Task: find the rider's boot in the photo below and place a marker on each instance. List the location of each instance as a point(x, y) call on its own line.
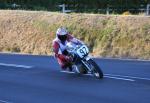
point(75, 69)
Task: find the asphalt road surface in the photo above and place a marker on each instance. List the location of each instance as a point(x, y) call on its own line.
point(37, 79)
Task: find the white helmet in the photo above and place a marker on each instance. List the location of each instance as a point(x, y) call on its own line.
point(62, 33)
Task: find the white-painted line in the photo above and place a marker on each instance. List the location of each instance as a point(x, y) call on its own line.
point(112, 77)
point(133, 77)
point(120, 78)
point(73, 73)
point(2, 101)
point(68, 72)
point(15, 65)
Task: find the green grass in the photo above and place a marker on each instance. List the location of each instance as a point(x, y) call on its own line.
point(107, 36)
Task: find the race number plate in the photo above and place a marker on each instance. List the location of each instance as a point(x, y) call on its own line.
point(83, 51)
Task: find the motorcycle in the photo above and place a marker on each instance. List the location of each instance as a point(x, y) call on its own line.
point(82, 61)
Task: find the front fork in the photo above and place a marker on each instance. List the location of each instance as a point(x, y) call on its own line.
point(86, 64)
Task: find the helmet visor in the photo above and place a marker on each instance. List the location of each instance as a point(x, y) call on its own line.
point(62, 37)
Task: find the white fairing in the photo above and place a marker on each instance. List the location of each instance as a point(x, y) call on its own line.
point(71, 45)
point(83, 51)
point(88, 58)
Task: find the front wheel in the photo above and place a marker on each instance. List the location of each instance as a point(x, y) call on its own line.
point(96, 69)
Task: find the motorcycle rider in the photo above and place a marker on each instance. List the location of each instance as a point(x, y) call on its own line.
point(59, 47)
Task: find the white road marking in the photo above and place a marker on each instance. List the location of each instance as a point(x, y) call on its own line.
point(133, 77)
point(2, 101)
point(67, 72)
point(73, 73)
point(120, 78)
point(112, 77)
point(15, 65)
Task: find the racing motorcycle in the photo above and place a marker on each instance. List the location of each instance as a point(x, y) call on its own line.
point(82, 61)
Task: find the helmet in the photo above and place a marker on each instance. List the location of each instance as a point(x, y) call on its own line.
point(62, 34)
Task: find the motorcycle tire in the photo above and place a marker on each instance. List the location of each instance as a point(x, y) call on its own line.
point(96, 69)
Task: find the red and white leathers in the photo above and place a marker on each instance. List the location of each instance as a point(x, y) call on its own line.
point(59, 48)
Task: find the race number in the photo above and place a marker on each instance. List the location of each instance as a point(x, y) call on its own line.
point(83, 51)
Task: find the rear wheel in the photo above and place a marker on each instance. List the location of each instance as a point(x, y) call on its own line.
point(96, 69)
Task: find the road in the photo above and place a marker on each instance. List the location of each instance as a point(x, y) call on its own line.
point(37, 79)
